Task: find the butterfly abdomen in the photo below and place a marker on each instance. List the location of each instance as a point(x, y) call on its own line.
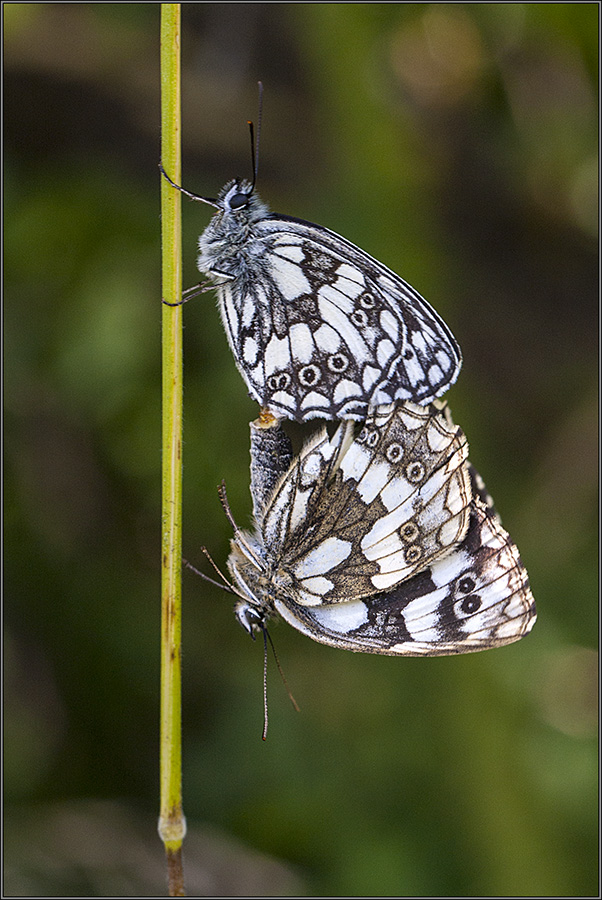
point(271, 456)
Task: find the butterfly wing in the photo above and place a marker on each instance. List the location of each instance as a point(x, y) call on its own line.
point(475, 598)
point(352, 518)
point(289, 513)
point(255, 559)
point(479, 489)
point(320, 328)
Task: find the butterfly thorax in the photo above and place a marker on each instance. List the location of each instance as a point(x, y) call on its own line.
point(258, 578)
point(229, 245)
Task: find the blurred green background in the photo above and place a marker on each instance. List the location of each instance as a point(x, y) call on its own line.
point(458, 144)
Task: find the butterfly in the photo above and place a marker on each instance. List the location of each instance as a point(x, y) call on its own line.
point(379, 542)
point(317, 327)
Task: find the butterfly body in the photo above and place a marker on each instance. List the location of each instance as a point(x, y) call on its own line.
point(271, 456)
point(229, 247)
point(319, 328)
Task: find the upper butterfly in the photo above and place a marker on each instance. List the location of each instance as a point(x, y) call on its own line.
point(318, 328)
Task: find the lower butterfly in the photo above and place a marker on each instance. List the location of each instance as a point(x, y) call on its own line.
point(379, 543)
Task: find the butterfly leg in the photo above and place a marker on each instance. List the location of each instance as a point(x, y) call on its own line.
point(191, 292)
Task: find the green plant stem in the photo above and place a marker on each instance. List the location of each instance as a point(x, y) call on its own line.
point(172, 824)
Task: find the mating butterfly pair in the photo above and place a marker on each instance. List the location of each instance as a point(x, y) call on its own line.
point(381, 541)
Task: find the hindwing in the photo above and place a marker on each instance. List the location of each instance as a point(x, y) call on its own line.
point(474, 598)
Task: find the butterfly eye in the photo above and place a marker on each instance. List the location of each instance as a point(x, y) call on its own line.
point(471, 604)
point(367, 300)
point(279, 381)
point(359, 318)
point(413, 553)
point(249, 617)
point(237, 201)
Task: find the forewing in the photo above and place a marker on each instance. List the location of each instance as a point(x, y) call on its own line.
point(323, 329)
point(475, 598)
point(397, 500)
point(290, 511)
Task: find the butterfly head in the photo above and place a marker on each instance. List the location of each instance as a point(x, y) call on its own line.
point(235, 197)
point(250, 617)
point(238, 197)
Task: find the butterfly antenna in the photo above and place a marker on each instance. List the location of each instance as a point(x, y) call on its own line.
point(284, 681)
point(267, 637)
point(237, 532)
point(219, 571)
point(255, 144)
point(182, 190)
point(264, 733)
point(224, 587)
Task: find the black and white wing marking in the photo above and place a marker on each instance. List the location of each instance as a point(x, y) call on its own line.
point(479, 489)
point(351, 517)
point(475, 598)
point(319, 328)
